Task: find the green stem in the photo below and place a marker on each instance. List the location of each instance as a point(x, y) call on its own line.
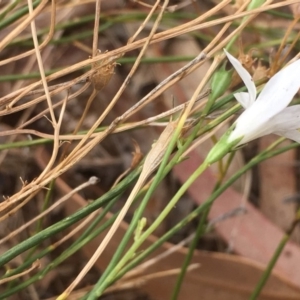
point(67, 253)
point(199, 232)
point(16, 16)
point(162, 172)
point(265, 276)
point(40, 221)
point(131, 252)
point(259, 158)
point(8, 8)
point(125, 60)
point(67, 222)
point(269, 268)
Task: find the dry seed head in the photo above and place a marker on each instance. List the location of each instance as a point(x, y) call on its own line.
point(104, 71)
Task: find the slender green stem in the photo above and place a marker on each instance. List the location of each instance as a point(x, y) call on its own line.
point(77, 245)
point(265, 276)
point(259, 158)
point(199, 233)
point(17, 15)
point(280, 14)
point(8, 8)
point(25, 144)
point(125, 60)
point(269, 268)
point(84, 236)
point(162, 172)
point(113, 265)
point(219, 104)
point(40, 221)
point(131, 252)
point(67, 222)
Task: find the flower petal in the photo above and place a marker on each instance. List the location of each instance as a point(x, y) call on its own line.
point(286, 121)
point(291, 134)
point(245, 76)
point(257, 120)
point(280, 90)
point(243, 99)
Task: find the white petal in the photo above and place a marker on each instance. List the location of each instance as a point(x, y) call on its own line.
point(280, 90)
point(286, 120)
point(277, 94)
point(244, 99)
point(245, 76)
point(287, 123)
point(291, 134)
point(249, 125)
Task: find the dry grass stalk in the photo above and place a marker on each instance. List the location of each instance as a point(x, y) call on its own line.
point(34, 266)
point(34, 186)
point(92, 181)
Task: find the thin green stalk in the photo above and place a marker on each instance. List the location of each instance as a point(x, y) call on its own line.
point(253, 4)
point(84, 236)
point(125, 60)
point(267, 272)
point(67, 253)
point(25, 144)
point(273, 42)
point(112, 266)
point(159, 176)
point(279, 14)
point(199, 233)
point(220, 82)
point(88, 235)
point(107, 20)
point(131, 252)
point(163, 170)
point(8, 8)
point(259, 158)
point(38, 228)
point(135, 16)
point(269, 268)
point(218, 105)
point(40, 221)
point(45, 205)
point(17, 15)
point(34, 75)
point(67, 222)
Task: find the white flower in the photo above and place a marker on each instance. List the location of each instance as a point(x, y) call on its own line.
point(269, 112)
point(266, 114)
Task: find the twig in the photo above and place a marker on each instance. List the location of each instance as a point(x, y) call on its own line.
point(96, 27)
point(35, 265)
point(22, 26)
point(121, 89)
point(43, 44)
point(230, 214)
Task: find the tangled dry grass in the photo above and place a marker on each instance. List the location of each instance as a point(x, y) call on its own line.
point(69, 113)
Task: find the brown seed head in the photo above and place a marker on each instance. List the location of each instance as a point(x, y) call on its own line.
point(104, 71)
